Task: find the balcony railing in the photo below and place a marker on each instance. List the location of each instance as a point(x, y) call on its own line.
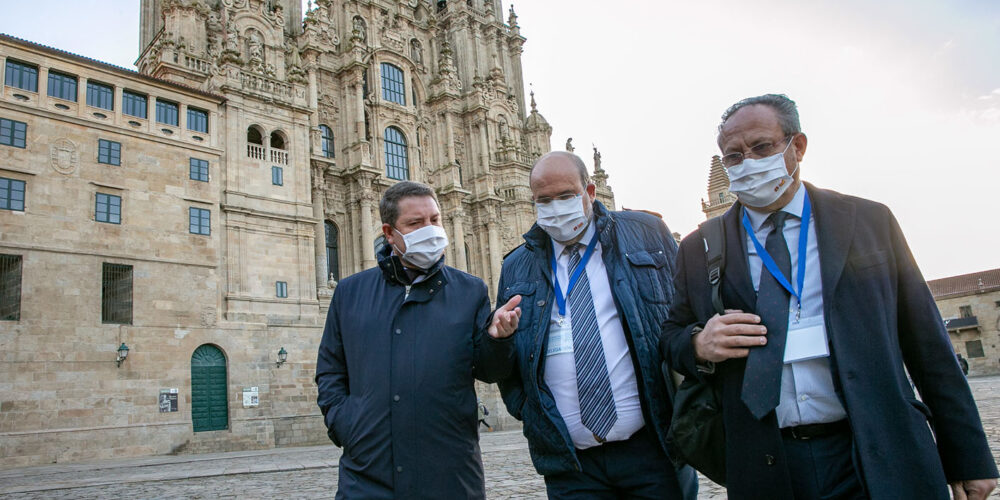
point(280, 157)
point(256, 151)
point(955, 324)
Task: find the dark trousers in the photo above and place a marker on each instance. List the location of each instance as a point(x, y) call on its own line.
point(824, 467)
point(635, 468)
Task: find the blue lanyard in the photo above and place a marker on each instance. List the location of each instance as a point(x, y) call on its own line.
point(769, 263)
point(560, 300)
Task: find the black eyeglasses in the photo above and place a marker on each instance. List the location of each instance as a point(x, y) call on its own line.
point(761, 150)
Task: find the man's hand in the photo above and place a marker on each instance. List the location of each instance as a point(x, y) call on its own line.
point(729, 336)
point(505, 319)
point(973, 489)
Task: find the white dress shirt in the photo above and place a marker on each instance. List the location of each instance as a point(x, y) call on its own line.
point(807, 391)
point(560, 368)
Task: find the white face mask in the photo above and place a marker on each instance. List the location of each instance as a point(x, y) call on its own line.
point(759, 183)
point(424, 246)
point(563, 220)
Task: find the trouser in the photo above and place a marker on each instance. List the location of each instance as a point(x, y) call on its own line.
point(636, 468)
point(823, 464)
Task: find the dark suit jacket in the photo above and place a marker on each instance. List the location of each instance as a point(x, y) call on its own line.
point(880, 317)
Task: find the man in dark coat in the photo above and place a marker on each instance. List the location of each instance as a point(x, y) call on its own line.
point(395, 371)
point(826, 314)
point(595, 288)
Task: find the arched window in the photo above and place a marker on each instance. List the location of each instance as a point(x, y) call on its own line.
point(396, 161)
point(332, 252)
point(254, 135)
point(277, 140)
point(326, 140)
point(393, 88)
point(209, 403)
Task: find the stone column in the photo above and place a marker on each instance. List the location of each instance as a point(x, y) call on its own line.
point(450, 137)
point(360, 109)
point(496, 253)
point(458, 229)
point(318, 191)
point(484, 146)
point(81, 95)
point(367, 197)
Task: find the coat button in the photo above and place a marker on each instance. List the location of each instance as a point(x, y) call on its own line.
point(439, 283)
point(396, 397)
point(399, 468)
point(531, 356)
point(398, 331)
point(431, 290)
point(769, 459)
point(540, 303)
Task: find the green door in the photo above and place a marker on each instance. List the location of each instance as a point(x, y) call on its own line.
point(209, 406)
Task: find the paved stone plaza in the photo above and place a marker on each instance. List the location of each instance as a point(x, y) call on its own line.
point(312, 472)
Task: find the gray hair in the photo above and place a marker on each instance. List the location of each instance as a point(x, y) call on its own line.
point(388, 208)
point(577, 162)
point(788, 113)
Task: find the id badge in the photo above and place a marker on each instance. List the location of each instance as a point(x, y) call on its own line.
point(560, 337)
point(806, 340)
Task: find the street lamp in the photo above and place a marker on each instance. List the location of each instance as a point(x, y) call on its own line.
point(282, 357)
point(122, 354)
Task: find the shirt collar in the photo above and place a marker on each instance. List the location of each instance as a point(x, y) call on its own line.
point(557, 248)
point(794, 207)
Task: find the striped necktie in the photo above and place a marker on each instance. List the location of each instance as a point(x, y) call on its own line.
point(597, 402)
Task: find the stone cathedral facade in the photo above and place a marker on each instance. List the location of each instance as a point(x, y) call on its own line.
point(199, 212)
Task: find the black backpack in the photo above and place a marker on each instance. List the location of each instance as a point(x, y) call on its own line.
point(697, 435)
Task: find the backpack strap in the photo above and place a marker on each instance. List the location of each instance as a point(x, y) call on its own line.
point(714, 235)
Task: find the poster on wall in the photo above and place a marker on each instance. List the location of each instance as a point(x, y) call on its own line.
point(168, 400)
point(251, 397)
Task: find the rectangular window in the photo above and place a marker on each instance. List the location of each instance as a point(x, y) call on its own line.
point(116, 294)
point(197, 120)
point(109, 152)
point(11, 194)
point(166, 112)
point(100, 95)
point(21, 75)
point(965, 311)
point(199, 221)
point(133, 104)
point(109, 208)
point(62, 86)
point(975, 348)
point(393, 89)
point(281, 289)
point(10, 287)
point(13, 133)
point(199, 170)
point(277, 176)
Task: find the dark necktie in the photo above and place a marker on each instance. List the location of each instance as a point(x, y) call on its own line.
point(762, 377)
point(597, 403)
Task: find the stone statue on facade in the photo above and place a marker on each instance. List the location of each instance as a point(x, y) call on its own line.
point(569, 145)
point(416, 51)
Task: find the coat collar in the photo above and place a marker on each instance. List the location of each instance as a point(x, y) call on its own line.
point(834, 231)
point(834, 217)
point(394, 271)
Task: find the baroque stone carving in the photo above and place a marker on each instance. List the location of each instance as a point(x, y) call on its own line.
point(64, 156)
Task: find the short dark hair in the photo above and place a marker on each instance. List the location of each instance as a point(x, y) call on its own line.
point(388, 208)
point(788, 113)
point(577, 162)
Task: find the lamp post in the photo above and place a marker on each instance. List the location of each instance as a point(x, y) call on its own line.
point(282, 357)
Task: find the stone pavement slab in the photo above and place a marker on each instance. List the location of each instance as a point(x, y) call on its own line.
point(311, 472)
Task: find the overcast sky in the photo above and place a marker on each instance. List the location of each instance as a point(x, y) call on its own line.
point(900, 99)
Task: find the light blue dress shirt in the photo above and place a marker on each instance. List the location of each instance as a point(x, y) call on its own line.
point(807, 392)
